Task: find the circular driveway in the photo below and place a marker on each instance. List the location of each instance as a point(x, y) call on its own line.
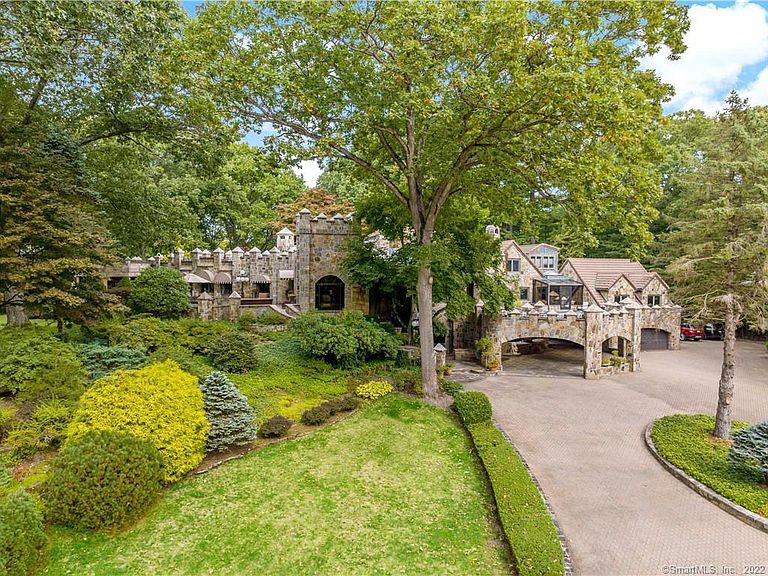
point(621, 512)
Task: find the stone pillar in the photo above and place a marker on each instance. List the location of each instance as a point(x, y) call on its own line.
point(205, 306)
point(234, 306)
point(491, 329)
point(195, 258)
point(237, 255)
point(218, 256)
point(593, 342)
point(633, 355)
point(302, 283)
point(439, 356)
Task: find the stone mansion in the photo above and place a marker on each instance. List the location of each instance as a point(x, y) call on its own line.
point(616, 300)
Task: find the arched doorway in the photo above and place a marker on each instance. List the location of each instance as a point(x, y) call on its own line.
point(545, 357)
point(329, 293)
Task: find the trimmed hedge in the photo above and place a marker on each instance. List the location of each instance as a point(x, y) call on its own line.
point(233, 352)
point(160, 291)
point(159, 403)
point(127, 482)
point(472, 407)
point(22, 536)
point(687, 442)
point(527, 525)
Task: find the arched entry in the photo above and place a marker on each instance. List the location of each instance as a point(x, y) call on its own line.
point(329, 293)
point(545, 357)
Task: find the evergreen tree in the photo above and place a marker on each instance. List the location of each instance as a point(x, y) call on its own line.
point(231, 417)
point(750, 448)
point(720, 241)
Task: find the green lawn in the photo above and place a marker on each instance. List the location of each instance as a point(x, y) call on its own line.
point(393, 489)
point(687, 442)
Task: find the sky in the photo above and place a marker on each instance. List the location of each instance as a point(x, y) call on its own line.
point(727, 50)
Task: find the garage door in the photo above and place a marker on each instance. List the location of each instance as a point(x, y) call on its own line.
point(653, 339)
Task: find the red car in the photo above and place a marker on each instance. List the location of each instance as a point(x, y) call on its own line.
point(690, 332)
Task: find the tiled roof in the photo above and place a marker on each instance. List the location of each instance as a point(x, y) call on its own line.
point(528, 248)
point(601, 273)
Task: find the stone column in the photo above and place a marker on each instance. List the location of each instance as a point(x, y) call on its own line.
point(234, 306)
point(205, 306)
point(593, 342)
point(633, 356)
point(439, 356)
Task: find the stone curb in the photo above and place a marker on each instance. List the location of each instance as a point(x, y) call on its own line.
point(746, 516)
point(567, 562)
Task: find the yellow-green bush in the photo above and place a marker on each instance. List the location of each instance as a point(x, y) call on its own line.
point(373, 389)
point(160, 403)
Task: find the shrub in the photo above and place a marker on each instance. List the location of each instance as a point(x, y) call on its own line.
point(750, 448)
point(160, 291)
point(153, 334)
point(526, 523)
point(484, 347)
point(246, 319)
point(408, 381)
point(184, 358)
point(346, 339)
point(46, 429)
point(6, 422)
point(316, 415)
point(159, 403)
point(22, 536)
point(127, 483)
point(472, 407)
point(101, 360)
point(231, 419)
point(450, 387)
point(275, 427)
point(233, 352)
point(345, 403)
point(373, 389)
point(271, 318)
point(35, 365)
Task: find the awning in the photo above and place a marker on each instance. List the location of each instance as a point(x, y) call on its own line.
point(206, 274)
point(286, 274)
point(222, 278)
point(260, 279)
point(195, 279)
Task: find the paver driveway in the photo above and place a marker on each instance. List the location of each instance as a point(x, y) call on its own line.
point(621, 512)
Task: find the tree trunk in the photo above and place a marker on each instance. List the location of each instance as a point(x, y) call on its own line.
point(424, 292)
point(16, 315)
point(725, 390)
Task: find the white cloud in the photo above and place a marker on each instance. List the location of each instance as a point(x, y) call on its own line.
point(721, 42)
point(757, 91)
point(310, 171)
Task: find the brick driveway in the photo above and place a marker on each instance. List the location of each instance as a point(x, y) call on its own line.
point(621, 512)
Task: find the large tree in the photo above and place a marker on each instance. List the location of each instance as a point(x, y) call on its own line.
point(524, 105)
point(719, 237)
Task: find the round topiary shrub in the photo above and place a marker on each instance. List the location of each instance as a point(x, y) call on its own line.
point(159, 403)
point(374, 389)
point(22, 536)
point(103, 480)
point(229, 414)
point(275, 427)
point(316, 415)
point(472, 407)
point(160, 291)
point(233, 352)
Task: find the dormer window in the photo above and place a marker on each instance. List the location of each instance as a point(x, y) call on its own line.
point(513, 265)
point(654, 299)
point(619, 297)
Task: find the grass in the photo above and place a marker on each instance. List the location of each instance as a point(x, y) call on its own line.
point(393, 489)
point(687, 442)
point(531, 533)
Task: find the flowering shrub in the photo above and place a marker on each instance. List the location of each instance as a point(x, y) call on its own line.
point(374, 389)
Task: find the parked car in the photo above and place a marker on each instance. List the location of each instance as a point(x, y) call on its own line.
point(690, 332)
point(713, 331)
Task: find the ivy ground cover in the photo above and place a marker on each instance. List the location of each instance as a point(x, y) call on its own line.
point(392, 489)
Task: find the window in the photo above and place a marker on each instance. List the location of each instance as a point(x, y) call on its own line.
point(329, 293)
point(513, 265)
point(619, 297)
point(523, 293)
point(654, 299)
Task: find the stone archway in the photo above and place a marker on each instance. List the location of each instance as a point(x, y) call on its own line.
point(543, 357)
point(329, 293)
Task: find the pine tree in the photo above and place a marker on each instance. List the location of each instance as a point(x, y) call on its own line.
point(720, 241)
point(231, 417)
point(750, 448)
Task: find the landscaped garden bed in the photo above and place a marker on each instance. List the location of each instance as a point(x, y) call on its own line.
point(391, 489)
point(687, 443)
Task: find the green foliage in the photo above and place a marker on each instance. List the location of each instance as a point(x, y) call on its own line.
point(750, 448)
point(687, 442)
point(345, 339)
point(6, 421)
point(408, 381)
point(373, 389)
point(345, 403)
point(484, 347)
point(5, 475)
point(154, 333)
point(101, 360)
point(46, 429)
point(22, 535)
point(275, 427)
point(316, 415)
point(439, 329)
point(271, 318)
point(233, 352)
point(472, 407)
point(160, 291)
point(247, 318)
point(35, 365)
point(230, 417)
point(159, 403)
point(450, 387)
point(128, 481)
point(186, 360)
point(524, 517)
